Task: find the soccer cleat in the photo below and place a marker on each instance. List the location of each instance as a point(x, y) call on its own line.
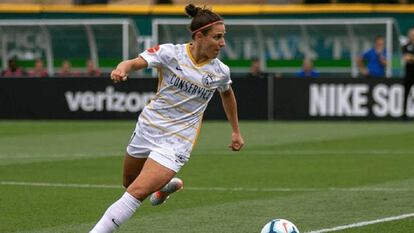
point(159, 197)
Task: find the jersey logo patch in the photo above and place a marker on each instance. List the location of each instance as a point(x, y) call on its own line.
point(207, 79)
point(153, 49)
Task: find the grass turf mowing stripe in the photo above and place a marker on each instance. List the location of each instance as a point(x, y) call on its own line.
point(365, 223)
point(212, 189)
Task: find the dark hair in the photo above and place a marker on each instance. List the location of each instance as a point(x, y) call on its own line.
point(379, 37)
point(201, 17)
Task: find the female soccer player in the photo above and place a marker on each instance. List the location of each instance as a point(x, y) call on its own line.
point(168, 126)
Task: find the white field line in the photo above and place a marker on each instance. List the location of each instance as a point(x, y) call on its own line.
point(365, 223)
point(212, 189)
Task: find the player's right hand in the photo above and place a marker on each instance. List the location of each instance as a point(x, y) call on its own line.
point(237, 142)
point(118, 75)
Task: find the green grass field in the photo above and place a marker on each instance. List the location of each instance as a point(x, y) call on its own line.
point(60, 176)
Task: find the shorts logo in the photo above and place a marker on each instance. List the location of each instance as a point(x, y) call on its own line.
point(153, 49)
point(207, 79)
point(180, 158)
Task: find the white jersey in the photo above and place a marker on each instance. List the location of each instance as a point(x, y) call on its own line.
point(172, 119)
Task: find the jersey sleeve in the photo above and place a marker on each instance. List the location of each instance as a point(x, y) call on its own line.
point(226, 82)
point(158, 55)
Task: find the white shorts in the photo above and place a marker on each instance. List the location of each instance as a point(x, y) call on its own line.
point(142, 147)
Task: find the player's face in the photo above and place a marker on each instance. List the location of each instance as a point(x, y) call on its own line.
point(213, 41)
point(379, 43)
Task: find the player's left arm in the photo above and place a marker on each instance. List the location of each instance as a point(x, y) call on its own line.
point(230, 108)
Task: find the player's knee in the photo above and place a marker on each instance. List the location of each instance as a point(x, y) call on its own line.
point(140, 193)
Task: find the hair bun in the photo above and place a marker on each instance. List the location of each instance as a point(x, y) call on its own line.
point(192, 10)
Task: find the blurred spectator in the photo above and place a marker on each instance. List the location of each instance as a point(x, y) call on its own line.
point(39, 70)
point(256, 69)
point(91, 70)
point(66, 70)
point(308, 70)
point(13, 70)
point(408, 56)
point(375, 60)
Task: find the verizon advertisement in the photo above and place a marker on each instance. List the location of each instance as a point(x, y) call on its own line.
point(107, 101)
point(73, 98)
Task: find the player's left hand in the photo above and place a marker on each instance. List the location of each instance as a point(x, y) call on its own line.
point(237, 142)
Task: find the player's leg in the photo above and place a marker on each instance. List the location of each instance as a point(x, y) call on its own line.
point(408, 83)
point(132, 168)
point(152, 177)
point(406, 92)
point(408, 88)
point(136, 154)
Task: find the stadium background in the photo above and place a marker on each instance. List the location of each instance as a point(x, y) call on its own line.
point(59, 169)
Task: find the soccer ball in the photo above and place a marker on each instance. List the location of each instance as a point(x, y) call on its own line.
point(279, 226)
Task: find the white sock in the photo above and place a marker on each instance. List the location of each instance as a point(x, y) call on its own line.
point(116, 214)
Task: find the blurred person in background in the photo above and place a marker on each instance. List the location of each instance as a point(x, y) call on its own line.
point(13, 70)
point(66, 70)
point(307, 70)
point(39, 70)
point(91, 70)
point(408, 57)
point(167, 127)
point(256, 69)
point(375, 60)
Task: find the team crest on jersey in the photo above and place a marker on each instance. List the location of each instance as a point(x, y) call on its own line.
point(207, 79)
point(153, 49)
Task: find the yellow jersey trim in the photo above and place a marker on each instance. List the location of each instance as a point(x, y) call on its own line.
point(165, 130)
point(190, 55)
point(198, 131)
point(175, 105)
point(172, 121)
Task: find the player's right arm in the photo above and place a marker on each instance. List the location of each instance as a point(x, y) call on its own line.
point(120, 73)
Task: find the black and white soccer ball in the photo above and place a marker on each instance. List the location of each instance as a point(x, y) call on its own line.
point(280, 226)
